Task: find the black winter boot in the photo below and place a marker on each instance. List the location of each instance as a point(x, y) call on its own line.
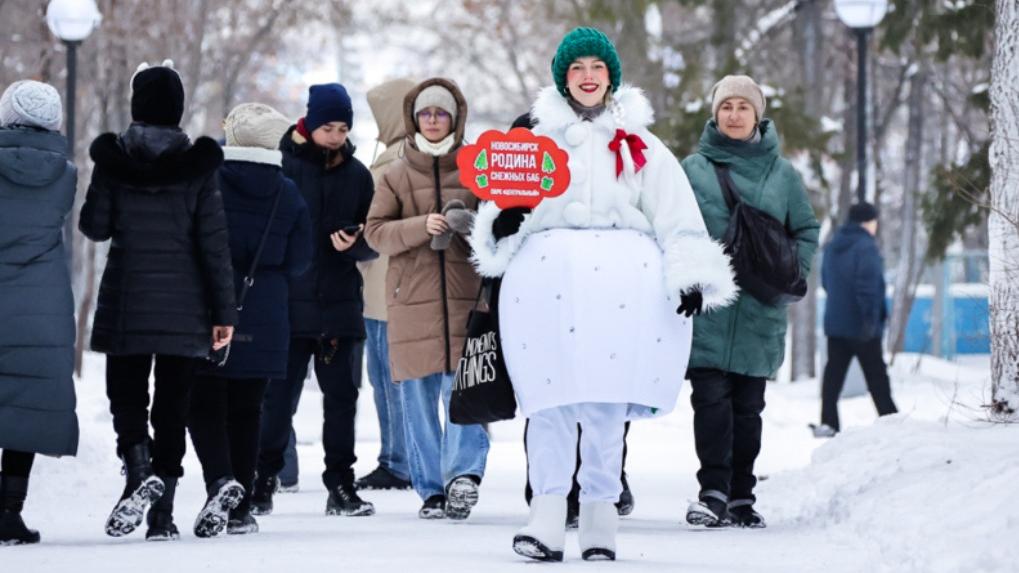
point(261, 496)
point(381, 478)
point(343, 500)
point(241, 522)
point(142, 489)
point(625, 504)
point(160, 517)
point(224, 495)
point(13, 531)
point(744, 515)
point(709, 511)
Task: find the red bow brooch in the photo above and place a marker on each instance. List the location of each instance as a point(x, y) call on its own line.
point(636, 145)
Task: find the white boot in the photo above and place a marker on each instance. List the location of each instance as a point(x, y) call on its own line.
point(599, 522)
point(545, 534)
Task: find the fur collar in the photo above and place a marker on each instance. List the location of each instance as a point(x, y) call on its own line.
point(253, 155)
point(628, 109)
point(195, 161)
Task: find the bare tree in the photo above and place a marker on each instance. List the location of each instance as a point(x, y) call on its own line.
point(1004, 219)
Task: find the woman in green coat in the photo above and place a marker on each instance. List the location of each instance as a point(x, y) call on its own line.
point(737, 348)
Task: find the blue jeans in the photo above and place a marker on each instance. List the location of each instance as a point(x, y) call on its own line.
point(388, 404)
point(438, 456)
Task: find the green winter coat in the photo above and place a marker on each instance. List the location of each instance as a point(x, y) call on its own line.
point(748, 337)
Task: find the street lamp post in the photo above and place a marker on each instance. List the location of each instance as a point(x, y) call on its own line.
point(72, 21)
point(862, 16)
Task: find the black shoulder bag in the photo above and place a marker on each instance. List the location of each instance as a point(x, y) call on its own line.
point(764, 254)
point(220, 357)
point(482, 392)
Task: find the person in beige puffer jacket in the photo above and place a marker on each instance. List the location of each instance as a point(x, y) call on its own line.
point(386, 103)
point(430, 289)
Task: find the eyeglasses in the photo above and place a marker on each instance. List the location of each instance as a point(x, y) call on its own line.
point(439, 115)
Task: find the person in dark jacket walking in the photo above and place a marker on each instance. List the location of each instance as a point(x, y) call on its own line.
point(326, 304)
point(737, 348)
point(37, 398)
point(854, 315)
point(167, 291)
point(270, 232)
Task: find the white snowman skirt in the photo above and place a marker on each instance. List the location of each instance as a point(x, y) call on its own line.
point(584, 317)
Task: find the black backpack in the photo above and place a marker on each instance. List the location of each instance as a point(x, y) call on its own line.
point(764, 254)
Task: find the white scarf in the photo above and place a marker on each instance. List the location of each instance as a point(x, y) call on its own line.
point(437, 149)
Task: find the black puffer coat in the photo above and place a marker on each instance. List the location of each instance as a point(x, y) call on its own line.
point(326, 301)
point(168, 278)
point(36, 309)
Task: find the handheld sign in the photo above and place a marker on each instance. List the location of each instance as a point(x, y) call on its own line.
point(515, 169)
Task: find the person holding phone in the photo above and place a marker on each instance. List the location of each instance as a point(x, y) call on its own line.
point(326, 322)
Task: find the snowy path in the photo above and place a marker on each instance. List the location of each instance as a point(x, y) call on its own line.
point(298, 537)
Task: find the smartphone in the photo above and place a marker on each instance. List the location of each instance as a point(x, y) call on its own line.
point(351, 229)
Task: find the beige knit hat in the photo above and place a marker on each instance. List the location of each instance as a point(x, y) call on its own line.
point(438, 96)
point(255, 125)
point(738, 86)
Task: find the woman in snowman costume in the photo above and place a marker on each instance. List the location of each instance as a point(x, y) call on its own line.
point(598, 287)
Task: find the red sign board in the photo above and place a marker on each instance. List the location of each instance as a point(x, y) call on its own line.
point(515, 169)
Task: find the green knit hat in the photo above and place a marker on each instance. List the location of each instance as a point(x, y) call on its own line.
point(585, 42)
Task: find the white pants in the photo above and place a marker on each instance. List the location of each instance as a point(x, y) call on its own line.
point(552, 450)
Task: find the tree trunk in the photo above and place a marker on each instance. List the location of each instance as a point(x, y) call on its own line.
point(1004, 219)
point(803, 315)
point(908, 228)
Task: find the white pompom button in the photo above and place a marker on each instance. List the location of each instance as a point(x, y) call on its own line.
point(578, 173)
point(577, 134)
point(577, 214)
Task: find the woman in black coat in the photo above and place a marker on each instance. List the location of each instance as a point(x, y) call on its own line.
point(36, 308)
point(226, 403)
point(167, 289)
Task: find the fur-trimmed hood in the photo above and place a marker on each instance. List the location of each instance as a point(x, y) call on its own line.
point(628, 108)
point(149, 154)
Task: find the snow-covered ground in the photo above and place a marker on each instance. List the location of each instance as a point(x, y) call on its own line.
point(929, 490)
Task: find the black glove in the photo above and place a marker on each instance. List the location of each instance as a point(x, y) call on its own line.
point(691, 302)
point(508, 222)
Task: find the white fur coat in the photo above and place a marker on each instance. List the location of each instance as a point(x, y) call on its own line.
point(656, 200)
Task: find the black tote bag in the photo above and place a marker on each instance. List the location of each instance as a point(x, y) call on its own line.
point(482, 392)
point(764, 254)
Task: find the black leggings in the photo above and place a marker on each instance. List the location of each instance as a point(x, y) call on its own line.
point(17, 464)
point(127, 386)
point(224, 421)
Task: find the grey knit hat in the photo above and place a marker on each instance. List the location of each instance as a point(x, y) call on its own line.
point(738, 86)
point(255, 125)
point(28, 102)
point(438, 96)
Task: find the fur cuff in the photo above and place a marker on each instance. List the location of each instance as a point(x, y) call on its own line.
point(694, 259)
point(491, 257)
